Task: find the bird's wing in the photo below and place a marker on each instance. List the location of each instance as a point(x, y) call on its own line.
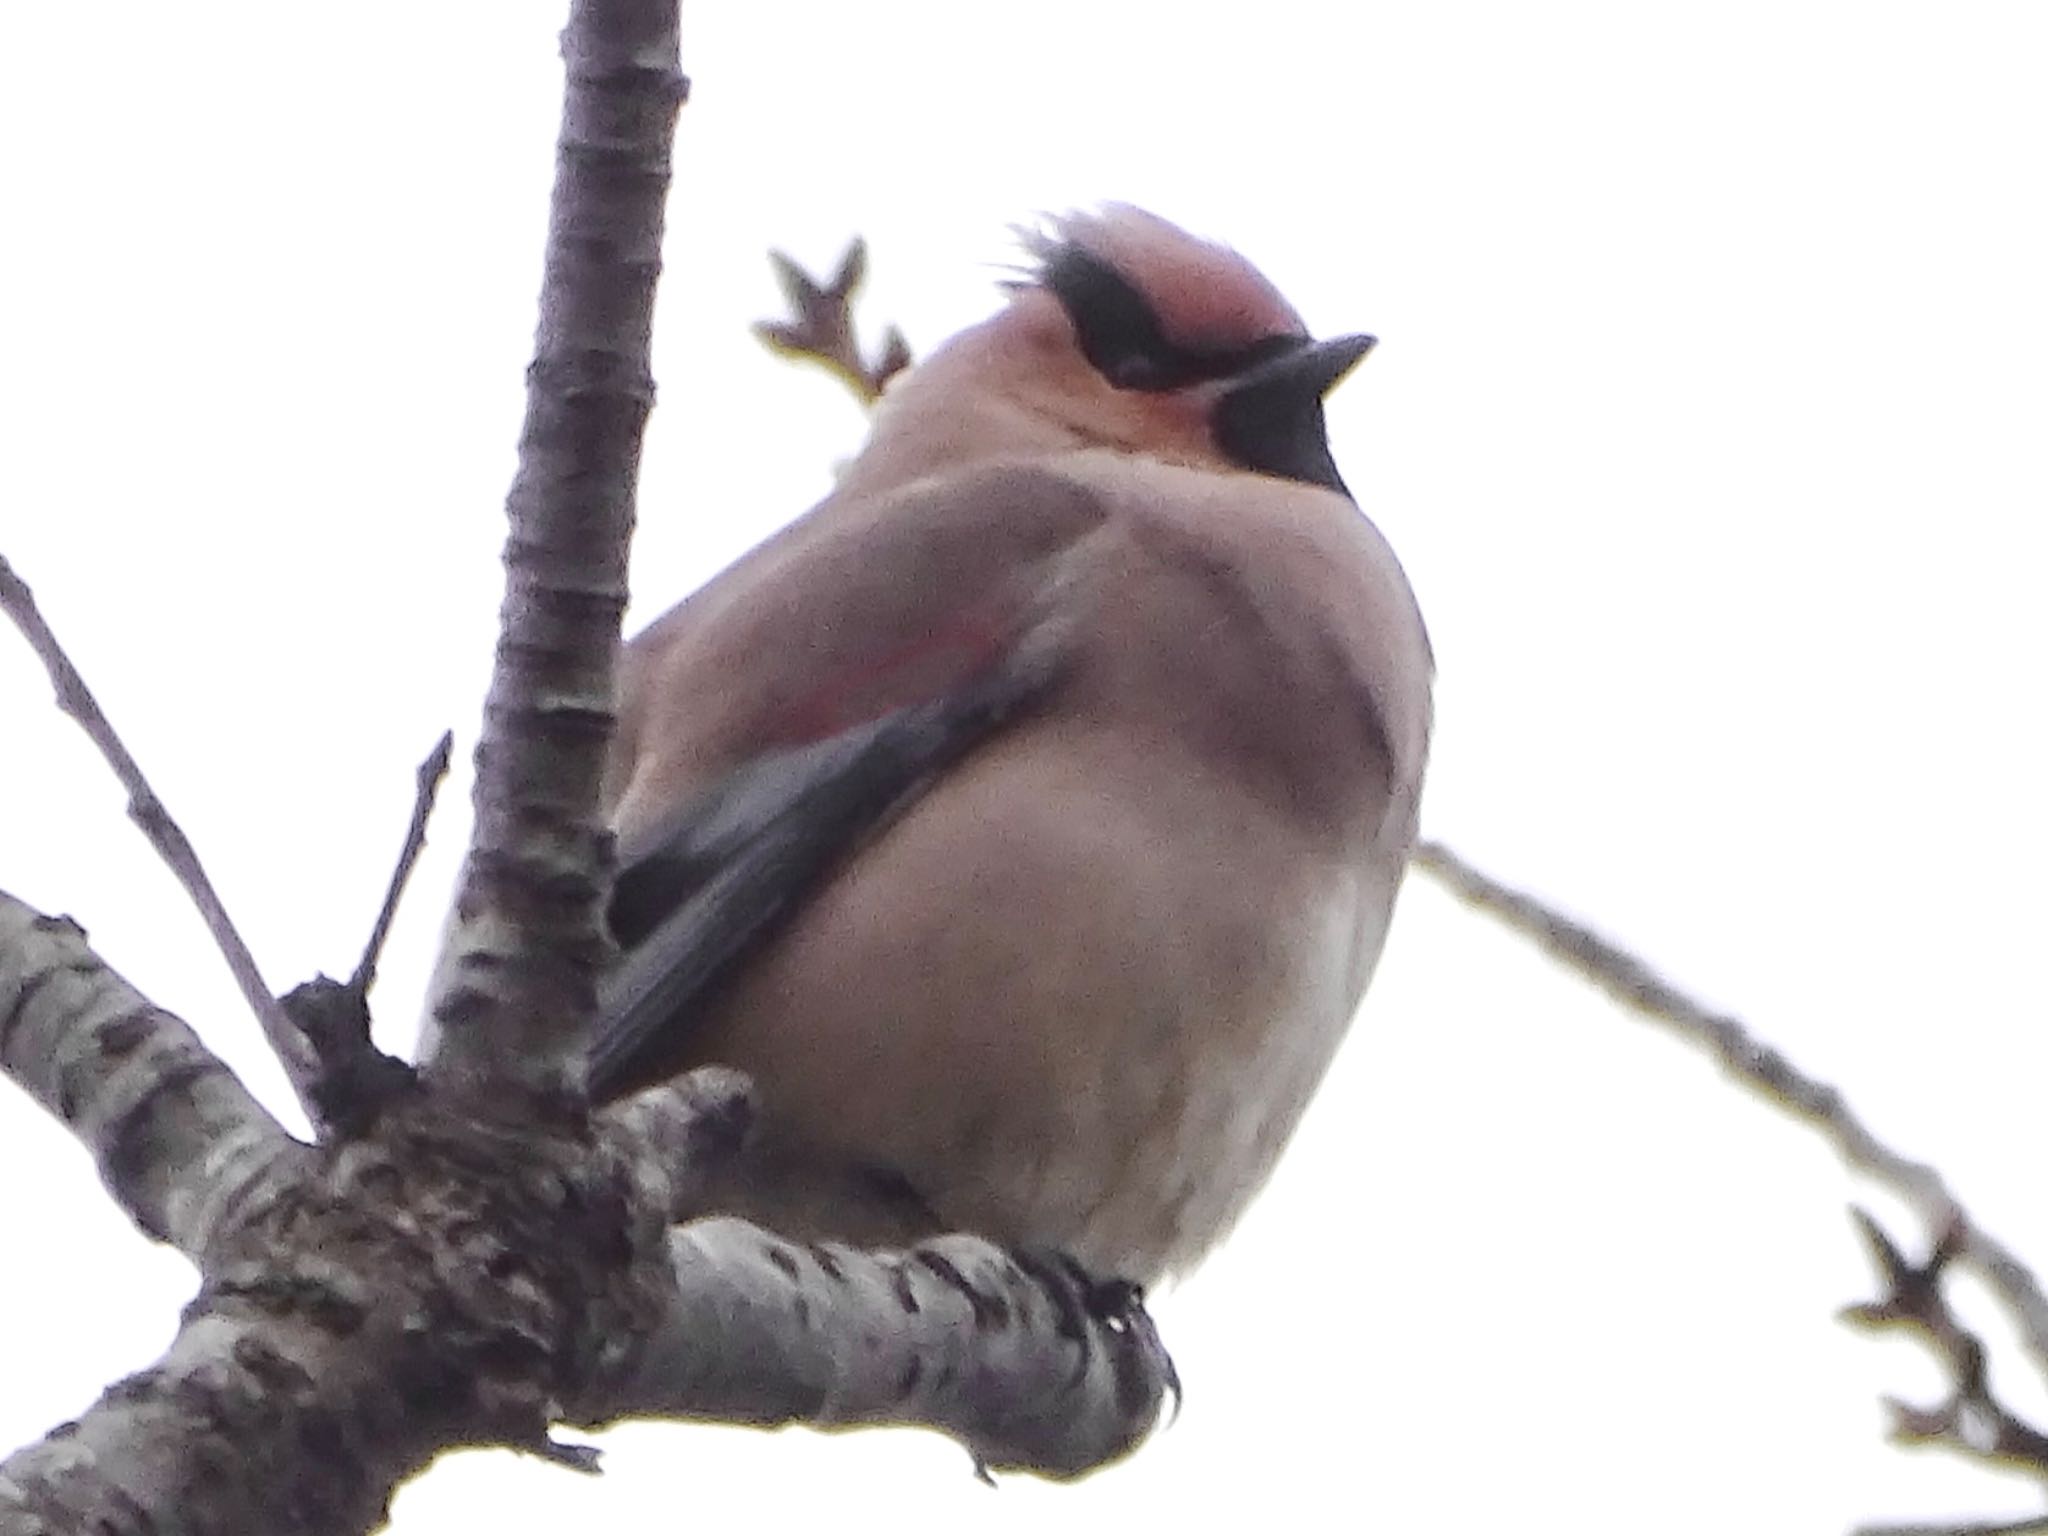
point(929, 668)
point(744, 858)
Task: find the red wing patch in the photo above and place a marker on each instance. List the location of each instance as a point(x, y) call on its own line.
point(920, 670)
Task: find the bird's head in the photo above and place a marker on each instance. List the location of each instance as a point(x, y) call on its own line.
point(1127, 332)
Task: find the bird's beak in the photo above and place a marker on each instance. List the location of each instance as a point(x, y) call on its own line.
point(1308, 372)
point(1270, 417)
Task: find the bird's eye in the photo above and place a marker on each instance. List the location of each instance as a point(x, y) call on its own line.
point(1119, 334)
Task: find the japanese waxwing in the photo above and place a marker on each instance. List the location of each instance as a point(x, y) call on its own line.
point(1067, 973)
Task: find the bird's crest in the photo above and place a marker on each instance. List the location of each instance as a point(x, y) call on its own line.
point(1119, 262)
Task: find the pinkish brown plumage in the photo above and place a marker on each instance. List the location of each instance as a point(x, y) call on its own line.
point(1207, 296)
point(1077, 994)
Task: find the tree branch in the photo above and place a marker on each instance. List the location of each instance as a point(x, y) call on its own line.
point(2031, 1525)
point(685, 1131)
point(426, 785)
point(179, 1141)
point(147, 811)
point(528, 940)
point(1631, 981)
point(1019, 1361)
point(462, 1257)
point(443, 1279)
point(1971, 1420)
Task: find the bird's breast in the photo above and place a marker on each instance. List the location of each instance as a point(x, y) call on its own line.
point(1079, 992)
point(1077, 997)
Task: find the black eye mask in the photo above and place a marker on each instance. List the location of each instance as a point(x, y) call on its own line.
point(1269, 416)
point(1120, 333)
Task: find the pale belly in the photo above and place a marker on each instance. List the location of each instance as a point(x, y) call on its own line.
point(1084, 1020)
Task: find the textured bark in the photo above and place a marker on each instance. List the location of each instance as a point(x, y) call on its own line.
point(470, 1256)
point(439, 1282)
point(438, 1278)
point(1010, 1358)
point(528, 938)
point(178, 1140)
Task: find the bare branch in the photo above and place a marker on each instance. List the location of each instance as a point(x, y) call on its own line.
point(178, 1140)
point(472, 1253)
point(528, 940)
point(1018, 1360)
point(1972, 1420)
point(426, 785)
point(446, 1279)
point(686, 1131)
point(1630, 980)
point(442, 1281)
point(354, 1081)
point(148, 812)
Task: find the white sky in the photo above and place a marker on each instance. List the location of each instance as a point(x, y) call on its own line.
point(1707, 419)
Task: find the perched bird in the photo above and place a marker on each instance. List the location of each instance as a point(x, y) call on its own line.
point(1061, 767)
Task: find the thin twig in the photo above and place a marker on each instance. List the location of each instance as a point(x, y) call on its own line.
point(355, 1082)
point(148, 812)
point(425, 785)
point(1973, 1420)
point(820, 328)
point(1630, 980)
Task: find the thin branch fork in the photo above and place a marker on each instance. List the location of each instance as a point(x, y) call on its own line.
point(147, 811)
point(465, 1259)
point(443, 1279)
point(534, 1261)
point(1972, 1420)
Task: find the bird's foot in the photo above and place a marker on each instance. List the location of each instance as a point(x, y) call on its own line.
point(1089, 1306)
